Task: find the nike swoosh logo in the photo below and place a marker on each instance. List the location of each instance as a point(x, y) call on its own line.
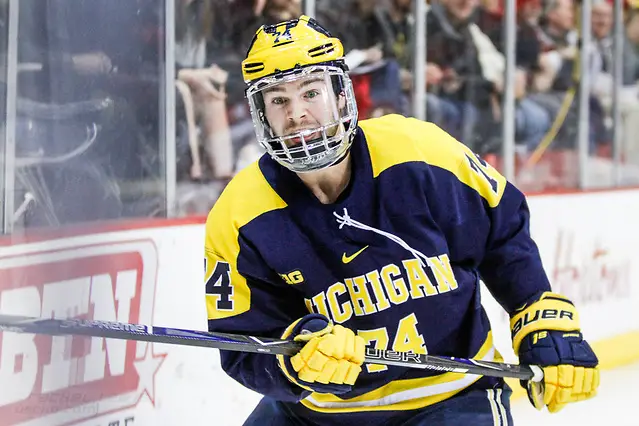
point(348, 259)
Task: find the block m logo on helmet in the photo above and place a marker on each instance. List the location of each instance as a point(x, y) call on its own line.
point(282, 33)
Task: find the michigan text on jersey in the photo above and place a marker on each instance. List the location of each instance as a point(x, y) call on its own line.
point(376, 290)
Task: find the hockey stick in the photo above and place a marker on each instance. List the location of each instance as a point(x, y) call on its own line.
point(243, 343)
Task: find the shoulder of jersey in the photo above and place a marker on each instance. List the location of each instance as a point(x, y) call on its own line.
point(247, 196)
point(394, 139)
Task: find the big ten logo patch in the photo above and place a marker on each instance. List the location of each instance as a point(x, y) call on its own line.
point(294, 277)
point(68, 379)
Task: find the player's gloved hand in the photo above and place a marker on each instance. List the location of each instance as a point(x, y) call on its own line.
point(331, 359)
point(546, 333)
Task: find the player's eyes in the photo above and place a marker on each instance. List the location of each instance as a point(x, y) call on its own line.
point(311, 94)
point(278, 101)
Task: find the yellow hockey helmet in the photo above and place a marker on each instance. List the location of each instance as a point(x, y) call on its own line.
point(290, 44)
point(301, 98)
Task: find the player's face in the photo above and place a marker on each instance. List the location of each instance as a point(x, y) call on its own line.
point(305, 104)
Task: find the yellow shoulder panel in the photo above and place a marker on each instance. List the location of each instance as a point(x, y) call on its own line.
point(395, 139)
point(246, 197)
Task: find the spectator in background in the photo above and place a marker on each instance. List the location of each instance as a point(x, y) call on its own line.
point(465, 69)
point(601, 59)
point(558, 37)
point(202, 90)
point(602, 78)
point(631, 47)
point(398, 24)
point(401, 21)
point(269, 12)
point(602, 56)
point(280, 9)
point(453, 72)
point(368, 39)
point(532, 121)
point(631, 75)
point(555, 30)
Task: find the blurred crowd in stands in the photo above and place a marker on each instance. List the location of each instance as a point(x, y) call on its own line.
point(464, 70)
point(89, 130)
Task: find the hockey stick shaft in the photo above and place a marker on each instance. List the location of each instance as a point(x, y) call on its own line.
point(244, 343)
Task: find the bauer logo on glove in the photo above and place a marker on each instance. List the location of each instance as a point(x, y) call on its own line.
point(547, 334)
point(540, 315)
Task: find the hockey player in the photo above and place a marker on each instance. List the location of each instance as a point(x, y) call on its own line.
point(346, 234)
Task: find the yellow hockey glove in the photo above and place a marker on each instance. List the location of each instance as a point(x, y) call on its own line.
point(331, 359)
point(546, 333)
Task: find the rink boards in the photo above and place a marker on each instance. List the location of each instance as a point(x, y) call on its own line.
point(152, 273)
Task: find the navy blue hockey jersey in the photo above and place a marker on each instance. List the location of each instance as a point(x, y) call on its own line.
point(397, 258)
